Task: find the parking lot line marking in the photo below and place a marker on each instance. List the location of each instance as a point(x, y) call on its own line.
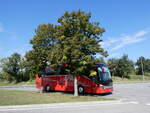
point(134, 102)
point(148, 104)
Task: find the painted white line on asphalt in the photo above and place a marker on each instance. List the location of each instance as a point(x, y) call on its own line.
point(62, 106)
point(134, 102)
point(148, 104)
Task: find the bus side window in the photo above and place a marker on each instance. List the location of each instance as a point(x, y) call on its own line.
point(62, 71)
point(93, 76)
point(49, 71)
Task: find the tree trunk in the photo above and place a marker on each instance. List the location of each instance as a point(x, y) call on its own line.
point(75, 86)
point(122, 77)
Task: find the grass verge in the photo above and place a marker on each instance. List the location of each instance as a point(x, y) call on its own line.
point(133, 78)
point(6, 83)
point(12, 97)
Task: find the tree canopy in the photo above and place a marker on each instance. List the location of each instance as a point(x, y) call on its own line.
point(74, 41)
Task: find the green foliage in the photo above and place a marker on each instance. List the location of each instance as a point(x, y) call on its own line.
point(74, 41)
point(125, 66)
point(11, 68)
point(121, 67)
point(146, 65)
point(42, 42)
point(113, 64)
point(100, 59)
point(77, 42)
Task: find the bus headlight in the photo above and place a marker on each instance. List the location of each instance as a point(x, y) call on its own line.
point(101, 86)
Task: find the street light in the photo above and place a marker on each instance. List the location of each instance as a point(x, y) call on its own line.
point(142, 69)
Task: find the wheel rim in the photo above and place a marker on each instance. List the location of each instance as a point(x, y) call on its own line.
point(47, 88)
point(80, 89)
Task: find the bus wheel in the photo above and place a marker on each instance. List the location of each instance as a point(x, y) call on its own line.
point(80, 90)
point(47, 89)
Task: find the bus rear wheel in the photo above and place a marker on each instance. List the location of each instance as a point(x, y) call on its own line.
point(80, 90)
point(47, 88)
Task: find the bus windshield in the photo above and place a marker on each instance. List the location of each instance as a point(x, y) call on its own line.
point(103, 73)
point(100, 74)
point(104, 76)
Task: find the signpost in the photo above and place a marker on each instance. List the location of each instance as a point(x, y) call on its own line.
point(142, 70)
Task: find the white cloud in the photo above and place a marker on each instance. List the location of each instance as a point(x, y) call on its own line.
point(141, 33)
point(116, 55)
point(109, 42)
point(114, 44)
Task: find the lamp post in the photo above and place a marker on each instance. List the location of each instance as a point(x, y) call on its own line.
point(142, 69)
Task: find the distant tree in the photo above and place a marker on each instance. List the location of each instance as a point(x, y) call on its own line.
point(113, 65)
point(125, 67)
point(146, 65)
point(11, 67)
point(3, 75)
point(121, 67)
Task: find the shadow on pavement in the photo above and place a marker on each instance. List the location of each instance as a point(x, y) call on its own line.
point(86, 94)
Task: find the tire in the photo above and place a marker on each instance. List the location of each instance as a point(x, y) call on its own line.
point(80, 90)
point(47, 88)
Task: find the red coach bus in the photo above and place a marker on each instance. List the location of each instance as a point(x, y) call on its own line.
point(99, 81)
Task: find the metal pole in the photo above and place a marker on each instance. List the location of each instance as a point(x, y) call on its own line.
point(142, 69)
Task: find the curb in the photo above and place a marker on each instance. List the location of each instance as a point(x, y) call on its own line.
point(131, 82)
point(58, 104)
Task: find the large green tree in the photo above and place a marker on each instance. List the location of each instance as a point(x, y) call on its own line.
point(78, 41)
point(74, 41)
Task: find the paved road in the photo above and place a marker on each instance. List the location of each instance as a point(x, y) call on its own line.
point(139, 92)
point(117, 107)
point(135, 99)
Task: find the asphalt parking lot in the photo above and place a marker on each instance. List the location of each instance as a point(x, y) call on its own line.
point(135, 98)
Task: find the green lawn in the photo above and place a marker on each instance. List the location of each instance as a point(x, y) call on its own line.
point(11, 97)
point(133, 78)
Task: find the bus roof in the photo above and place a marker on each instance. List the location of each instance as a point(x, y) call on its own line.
point(101, 65)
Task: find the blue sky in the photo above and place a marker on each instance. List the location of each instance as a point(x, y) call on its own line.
point(127, 23)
